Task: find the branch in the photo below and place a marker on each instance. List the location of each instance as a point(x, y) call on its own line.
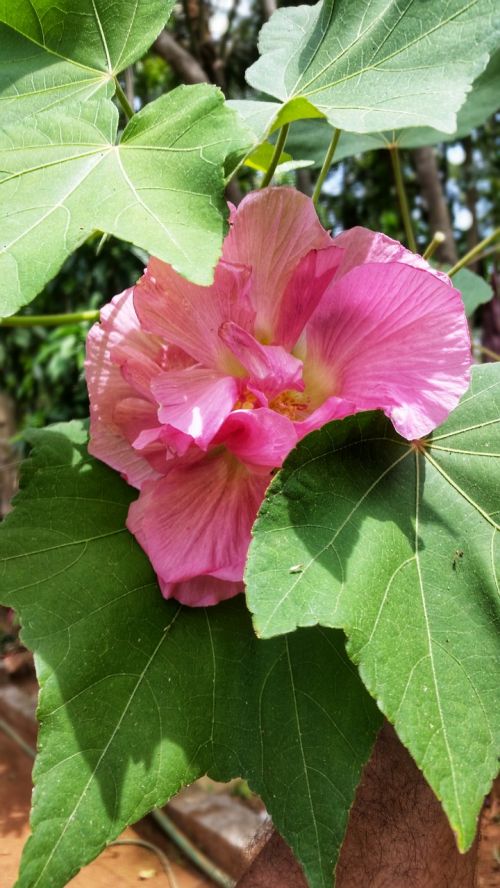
point(433, 194)
point(183, 63)
point(268, 7)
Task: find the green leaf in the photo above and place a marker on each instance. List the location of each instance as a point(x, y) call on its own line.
point(378, 65)
point(475, 290)
point(51, 53)
point(140, 696)
point(162, 187)
point(312, 138)
point(399, 548)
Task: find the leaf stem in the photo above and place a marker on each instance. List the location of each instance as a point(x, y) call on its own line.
point(278, 149)
point(438, 238)
point(487, 351)
point(403, 199)
point(124, 102)
point(471, 255)
point(326, 165)
point(55, 320)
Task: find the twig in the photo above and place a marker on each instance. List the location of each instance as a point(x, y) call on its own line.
point(55, 320)
point(141, 843)
point(186, 846)
point(12, 733)
point(465, 260)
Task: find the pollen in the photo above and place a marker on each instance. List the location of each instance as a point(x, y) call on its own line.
point(247, 401)
point(291, 404)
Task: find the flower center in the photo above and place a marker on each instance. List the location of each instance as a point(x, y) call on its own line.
point(291, 404)
point(247, 401)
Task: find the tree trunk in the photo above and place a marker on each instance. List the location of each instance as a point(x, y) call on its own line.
point(435, 201)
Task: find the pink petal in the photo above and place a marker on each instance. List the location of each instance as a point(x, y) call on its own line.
point(391, 337)
point(303, 293)
point(138, 422)
point(259, 438)
point(197, 519)
point(201, 591)
point(272, 230)
point(360, 245)
point(195, 401)
point(332, 408)
point(271, 369)
point(119, 328)
point(189, 316)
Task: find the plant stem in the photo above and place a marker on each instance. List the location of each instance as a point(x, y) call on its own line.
point(471, 255)
point(403, 200)
point(278, 148)
point(159, 853)
point(55, 320)
point(122, 98)
point(192, 853)
point(438, 239)
point(326, 165)
point(488, 352)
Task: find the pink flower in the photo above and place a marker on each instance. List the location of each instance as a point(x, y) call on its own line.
point(198, 393)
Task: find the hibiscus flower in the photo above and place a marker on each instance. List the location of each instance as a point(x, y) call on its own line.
point(199, 393)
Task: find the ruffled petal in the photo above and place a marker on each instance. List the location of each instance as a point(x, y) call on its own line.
point(360, 245)
point(201, 591)
point(195, 401)
point(197, 519)
point(260, 438)
point(271, 369)
point(272, 230)
point(119, 328)
point(392, 337)
point(189, 316)
point(332, 408)
point(303, 293)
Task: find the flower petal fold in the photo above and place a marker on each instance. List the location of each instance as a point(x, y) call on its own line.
point(260, 438)
point(391, 337)
point(119, 328)
point(304, 292)
point(195, 401)
point(189, 316)
point(197, 519)
point(271, 369)
point(271, 231)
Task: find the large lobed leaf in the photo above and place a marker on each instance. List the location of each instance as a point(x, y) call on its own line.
point(57, 52)
point(310, 139)
point(398, 545)
point(162, 187)
point(140, 696)
point(373, 65)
